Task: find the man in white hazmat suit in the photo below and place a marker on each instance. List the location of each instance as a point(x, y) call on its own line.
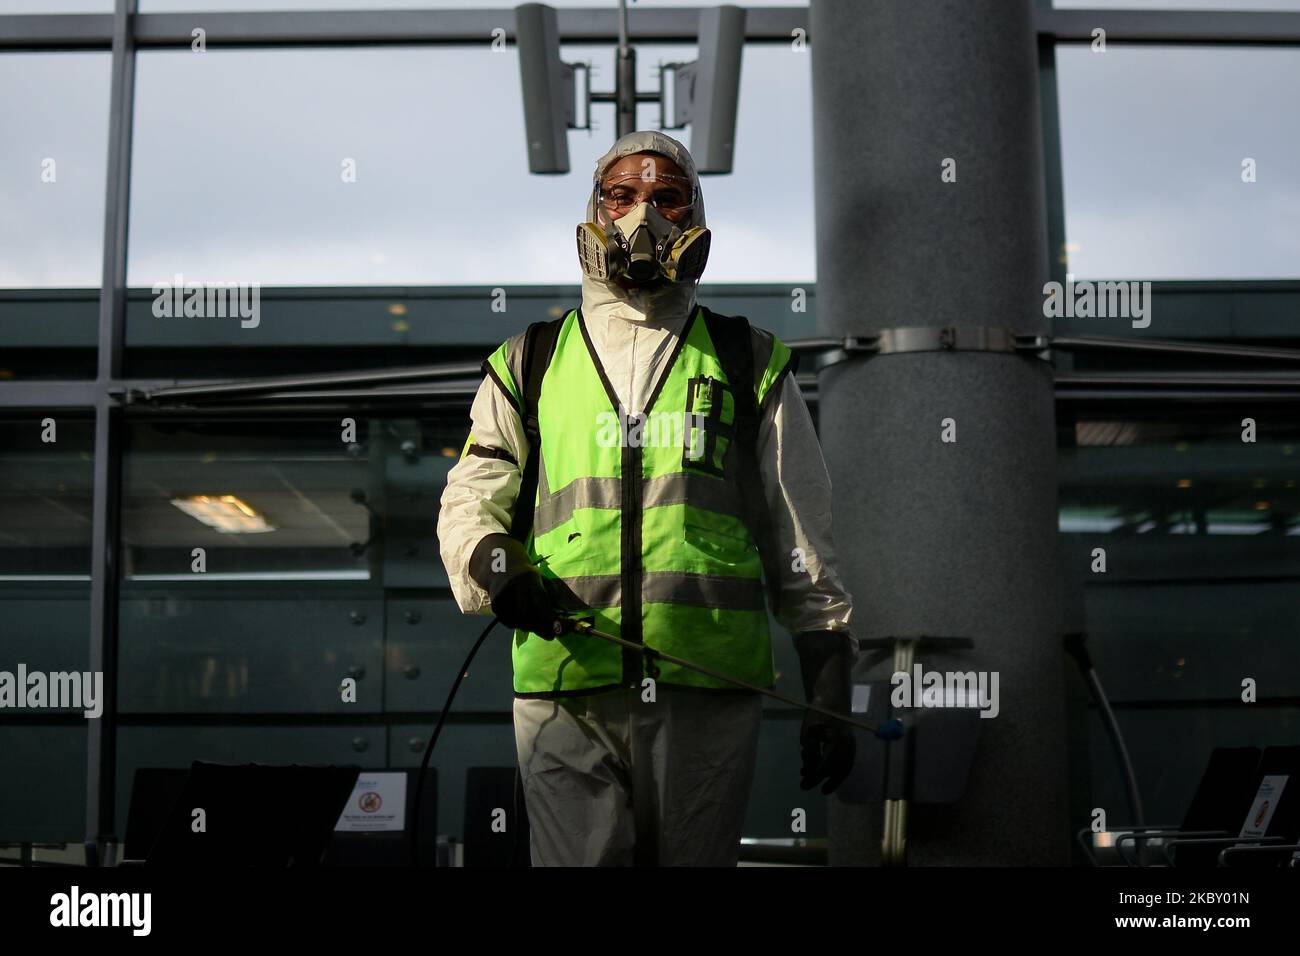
point(659, 486)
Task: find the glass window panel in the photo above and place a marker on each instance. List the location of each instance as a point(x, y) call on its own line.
point(185, 6)
point(262, 499)
point(761, 214)
point(56, 6)
point(1153, 141)
point(45, 496)
point(282, 500)
point(45, 550)
point(1235, 6)
point(1129, 477)
point(238, 163)
point(52, 168)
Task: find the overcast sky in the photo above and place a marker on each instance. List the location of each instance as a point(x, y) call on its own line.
point(236, 168)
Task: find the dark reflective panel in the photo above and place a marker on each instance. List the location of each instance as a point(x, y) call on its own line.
point(257, 554)
point(344, 499)
point(46, 480)
point(1184, 541)
point(1144, 479)
point(266, 499)
point(45, 513)
point(321, 630)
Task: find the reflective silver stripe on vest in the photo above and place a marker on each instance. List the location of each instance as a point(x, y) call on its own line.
point(699, 491)
point(672, 587)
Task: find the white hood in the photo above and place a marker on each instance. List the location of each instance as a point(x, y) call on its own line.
point(668, 306)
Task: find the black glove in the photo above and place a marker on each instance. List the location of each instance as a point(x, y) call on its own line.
point(520, 596)
point(827, 746)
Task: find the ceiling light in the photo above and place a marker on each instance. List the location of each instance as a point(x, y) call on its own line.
point(225, 513)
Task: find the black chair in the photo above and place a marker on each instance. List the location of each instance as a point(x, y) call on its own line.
point(1220, 803)
point(154, 791)
point(253, 815)
point(487, 791)
point(157, 792)
point(1270, 832)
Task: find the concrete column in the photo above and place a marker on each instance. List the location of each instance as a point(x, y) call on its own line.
point(943, 538)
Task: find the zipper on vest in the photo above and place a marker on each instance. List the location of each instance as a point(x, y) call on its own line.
point(630, 625)
point(630, 611)
point(630, 565)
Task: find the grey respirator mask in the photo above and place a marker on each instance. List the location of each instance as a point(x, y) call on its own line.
point(642, 245)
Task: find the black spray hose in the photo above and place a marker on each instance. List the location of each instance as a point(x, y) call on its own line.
point(433, 739)
point(1074, 644)
point(891, 729)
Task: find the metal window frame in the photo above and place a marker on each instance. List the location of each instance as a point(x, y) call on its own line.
point(124, 31)
point(76, 31)
point(95, 31)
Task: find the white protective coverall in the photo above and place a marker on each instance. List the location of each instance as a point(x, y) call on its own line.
point(608, 778)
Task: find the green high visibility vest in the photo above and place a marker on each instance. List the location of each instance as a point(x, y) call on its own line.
point(641, 517)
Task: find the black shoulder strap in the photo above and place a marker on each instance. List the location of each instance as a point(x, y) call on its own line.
point(734, 343)
point(539, 346)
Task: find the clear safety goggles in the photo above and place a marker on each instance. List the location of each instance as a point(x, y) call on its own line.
point(672, 196)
